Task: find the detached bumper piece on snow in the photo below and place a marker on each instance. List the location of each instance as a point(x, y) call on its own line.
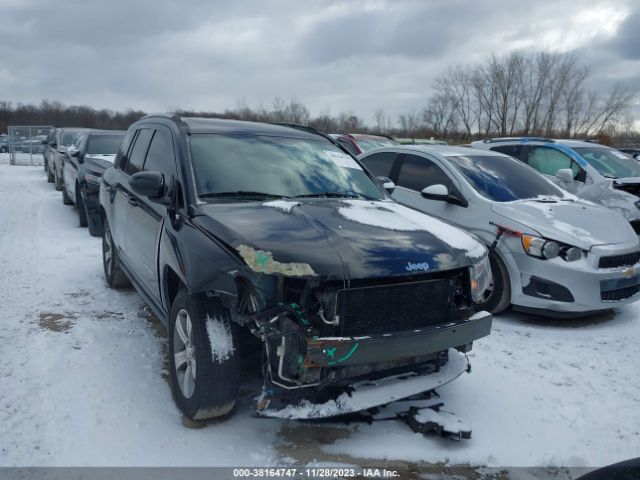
point(367, 394)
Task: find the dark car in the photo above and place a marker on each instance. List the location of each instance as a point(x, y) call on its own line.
point(250, 239)
point(92, 152)
point(56, 151)
point(357, 143)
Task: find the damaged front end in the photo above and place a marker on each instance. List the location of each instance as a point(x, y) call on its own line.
point(322, 338)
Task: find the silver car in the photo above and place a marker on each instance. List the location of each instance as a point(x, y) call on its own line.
point(551, 254)
point(589, 170)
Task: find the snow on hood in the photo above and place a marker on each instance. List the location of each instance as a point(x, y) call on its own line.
point(106, 158)
point(393, 216)
point(576, 223)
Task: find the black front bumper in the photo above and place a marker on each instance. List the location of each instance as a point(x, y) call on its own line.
point(343, 351)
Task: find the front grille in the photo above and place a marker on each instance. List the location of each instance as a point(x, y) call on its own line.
point(395, 307)
point(620, 294)
point(619, 260)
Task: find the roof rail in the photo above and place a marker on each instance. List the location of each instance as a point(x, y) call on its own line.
point(510, 139)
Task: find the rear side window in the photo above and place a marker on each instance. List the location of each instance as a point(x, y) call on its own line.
point(161, 156)
point(512, 150)
point(380, 164)
point(416, 173)
point(138, 151)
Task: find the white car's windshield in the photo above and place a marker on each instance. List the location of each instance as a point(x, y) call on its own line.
point(503, 179)
point(609, 162)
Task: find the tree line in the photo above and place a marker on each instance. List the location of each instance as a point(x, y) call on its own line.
point(539, 93)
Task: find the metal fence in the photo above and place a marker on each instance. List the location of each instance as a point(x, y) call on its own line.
point(26, 144)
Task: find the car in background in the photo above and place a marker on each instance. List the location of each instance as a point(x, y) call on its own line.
point(4, 143)
point(420, 141)
point(550, 253)
point(588, 170)
point(356, 143)
point(329, 281)
point(631, 151)
point(57, 149)
point(46, 151)
point(90, 155)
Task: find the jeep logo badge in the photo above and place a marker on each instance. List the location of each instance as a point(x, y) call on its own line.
point(414, 267)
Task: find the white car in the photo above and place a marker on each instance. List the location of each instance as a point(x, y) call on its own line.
point(551, 253)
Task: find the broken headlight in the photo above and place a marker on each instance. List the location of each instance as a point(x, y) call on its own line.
point(480, 275)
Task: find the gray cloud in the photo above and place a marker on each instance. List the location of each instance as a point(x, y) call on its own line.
point(353, 56)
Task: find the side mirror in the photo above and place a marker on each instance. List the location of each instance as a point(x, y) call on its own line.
point(386, 183)
point(441, 193)
point(73, 153)
point(149, 184)
point(565, 175)
point(53, 144)
point(436, 192)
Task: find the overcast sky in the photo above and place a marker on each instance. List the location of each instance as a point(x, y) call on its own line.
point(335, 56)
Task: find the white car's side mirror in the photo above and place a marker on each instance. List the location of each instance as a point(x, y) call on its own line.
point(565, 175)
point(435, 191)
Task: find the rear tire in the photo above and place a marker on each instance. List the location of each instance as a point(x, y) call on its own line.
point(498, 296)
point(82, 209)
point(113, 273)
point(204, 380)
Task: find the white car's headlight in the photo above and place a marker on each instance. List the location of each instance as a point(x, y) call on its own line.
point(481, 277)
point(546, 249)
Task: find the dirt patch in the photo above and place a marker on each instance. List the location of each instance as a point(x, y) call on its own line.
point(107, 315)
point(303, 442)
point(56, 322)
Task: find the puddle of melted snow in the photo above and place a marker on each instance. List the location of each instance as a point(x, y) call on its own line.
point(56, 322)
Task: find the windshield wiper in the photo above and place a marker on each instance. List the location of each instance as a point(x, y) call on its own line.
point(349, 194)
point(240, 193)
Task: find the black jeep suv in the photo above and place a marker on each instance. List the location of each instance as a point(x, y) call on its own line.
point(245, 236)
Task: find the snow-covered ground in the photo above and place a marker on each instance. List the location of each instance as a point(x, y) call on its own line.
point(82, 375)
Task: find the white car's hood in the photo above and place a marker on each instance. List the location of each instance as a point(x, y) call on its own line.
point(572, 222)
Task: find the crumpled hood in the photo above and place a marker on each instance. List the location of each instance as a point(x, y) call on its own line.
point(576, 223)
point(338, 239)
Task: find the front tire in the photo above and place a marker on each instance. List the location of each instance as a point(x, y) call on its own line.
point(82, 209)
point(65, 198)
point(113, 273)
point(204, 379)
point(498, 297)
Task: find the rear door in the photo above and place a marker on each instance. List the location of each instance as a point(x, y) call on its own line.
point(145, 218)
point(70, 168)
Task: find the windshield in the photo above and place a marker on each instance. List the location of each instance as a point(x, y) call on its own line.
point(370, 144)
point(104, 144)
point(68, 138)
point(277, 166)
point(609, 162)
point(503, 179)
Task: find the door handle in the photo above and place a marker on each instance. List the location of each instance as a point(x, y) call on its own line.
point(131, 200)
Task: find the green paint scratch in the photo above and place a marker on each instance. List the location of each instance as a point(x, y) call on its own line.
point(331, 351)
point(263, 258)
point(346, 356)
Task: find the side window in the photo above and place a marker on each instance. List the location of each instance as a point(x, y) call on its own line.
point(138, 151)
point(348, 146)
point(161, 157)
point(512, 150)
point(548, 161)
point(416, 173)
point(121, 156)
point(380, 164)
